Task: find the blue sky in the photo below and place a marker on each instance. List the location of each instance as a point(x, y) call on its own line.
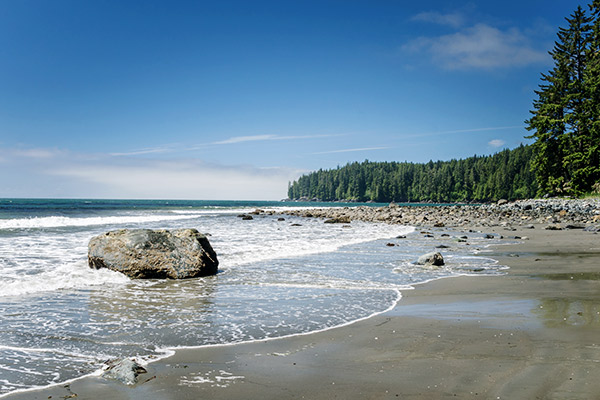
point(233, 99)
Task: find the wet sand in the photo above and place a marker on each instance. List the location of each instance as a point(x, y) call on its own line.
point(533, 333)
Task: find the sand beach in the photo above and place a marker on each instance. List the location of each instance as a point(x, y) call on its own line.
point(533, 333)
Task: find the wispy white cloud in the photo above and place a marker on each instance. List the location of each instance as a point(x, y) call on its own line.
point(242, 139)
point(454, 20)
point(155, 150)
point(471, 130)
point(68, 174)
point(38, 153)
point(187, 179)
point(256, 138)
point(479, 47)
point(173, 148)
point(351, 150)
point(496, 143)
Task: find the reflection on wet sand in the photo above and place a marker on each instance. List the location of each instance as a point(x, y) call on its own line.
point(572, 276)
point(560, 312)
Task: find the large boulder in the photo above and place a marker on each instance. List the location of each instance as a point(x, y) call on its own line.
point(146, 253)
point(431, 259)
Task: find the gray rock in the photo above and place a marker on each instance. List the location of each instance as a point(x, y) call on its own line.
point(125, 371)
point(338, 220)
point(434, 258)
point(146, 253)
point(574, 226)
point(553, 227)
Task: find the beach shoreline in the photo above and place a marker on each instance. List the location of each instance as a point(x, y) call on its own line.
point(531, 333)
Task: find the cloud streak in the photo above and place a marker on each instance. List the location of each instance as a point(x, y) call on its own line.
point(472, 130)
point(351, 150)
point(155, 150)
point(257, 138)
point(230, 141)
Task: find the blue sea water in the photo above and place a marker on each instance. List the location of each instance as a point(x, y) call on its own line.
point(60, 320)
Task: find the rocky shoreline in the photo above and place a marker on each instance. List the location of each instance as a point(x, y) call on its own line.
point(555, 214)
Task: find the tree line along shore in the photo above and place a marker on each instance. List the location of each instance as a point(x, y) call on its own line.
point(505, 175)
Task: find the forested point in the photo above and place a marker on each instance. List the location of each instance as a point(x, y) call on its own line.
point(564, 159)
point(504, 175)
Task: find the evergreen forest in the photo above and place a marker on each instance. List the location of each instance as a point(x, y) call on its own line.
point(505, 175)
point(563, 160)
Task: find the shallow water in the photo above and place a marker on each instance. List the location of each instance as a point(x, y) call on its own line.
point(60, 319)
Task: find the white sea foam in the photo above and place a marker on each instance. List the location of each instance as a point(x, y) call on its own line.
point(67, 276)
point(58, 221)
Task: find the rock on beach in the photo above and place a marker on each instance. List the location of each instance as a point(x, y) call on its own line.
point(158, 254)
point(125, 371)
point(431, 259)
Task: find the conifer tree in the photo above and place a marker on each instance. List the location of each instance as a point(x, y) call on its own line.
point(592, 105)
point(565, 115)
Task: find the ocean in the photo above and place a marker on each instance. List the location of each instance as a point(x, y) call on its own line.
point(60, 320)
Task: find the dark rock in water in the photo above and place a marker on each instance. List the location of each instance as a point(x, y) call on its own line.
point(488, 236)
point(295, 225)
point(280, 219)
point(338, 220)
point(146, 253)
point(390, 244)
point(245, 217)
point(401, 237)
point(439, 225)
point(442, 246)
point(125, 371)
point(434, 259)
point(445, 235)
point(428, 235)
